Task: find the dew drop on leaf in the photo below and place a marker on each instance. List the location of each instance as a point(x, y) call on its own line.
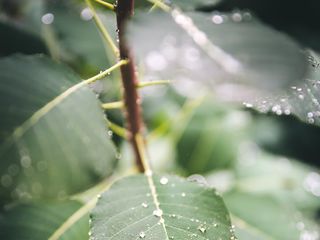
point(142, 235)
point(164, 180)
point(217, 19)
point(202, 229)
point(157, 213)
point(144, 205)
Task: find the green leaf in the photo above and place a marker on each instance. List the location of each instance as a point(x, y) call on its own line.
point(301, 99)
point(275, 221)
point(284, 179)
point(209, 140)
point(154, 207)
point(14, 39)
point(216, 49)
point(38, 221)
point(49, 146)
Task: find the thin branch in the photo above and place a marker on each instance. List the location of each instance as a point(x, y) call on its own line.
point(152, 83)
point(75, 217)
point(160, 4)
point(22, 129)
point(90, 203)
point(106, 4)
point(102, 29)
point(120, 131)
point(113, 105)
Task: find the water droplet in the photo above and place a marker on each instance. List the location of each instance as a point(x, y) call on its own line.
point(310, 114)
point(13, 169)
point(202, 229)
point(164, 180)
point(276, 108)
point(217, 19)
point(156, 61)
point(110, 133)
point(86, 14)
point(310, 120)
point(142, 235)
point(247, 16)
point(301, 96)
point(312, 183)
point(248, 105)
point(118, 156)
point(25, 161)
point(237, 17)
point(183, 194)
point(41, 166)
point(6, 180)
point(287, 112)
point(47, 18)
point(157, 213)
point(144, 205)
point(198, 179)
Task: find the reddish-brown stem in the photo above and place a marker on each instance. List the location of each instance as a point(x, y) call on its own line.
point(124, 10)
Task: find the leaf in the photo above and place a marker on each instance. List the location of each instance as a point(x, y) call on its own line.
point(284, 179)
point(38, 221)
point(209, 141)
point(216, 49)
point(49, 148)
point(14, 39)
point(275, 221)
point(154, 207)
point(301, 99)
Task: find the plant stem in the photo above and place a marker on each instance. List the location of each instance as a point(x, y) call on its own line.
point(124, 10)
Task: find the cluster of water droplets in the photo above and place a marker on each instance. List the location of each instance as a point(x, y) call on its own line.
point(11, 175)
point(300, 101)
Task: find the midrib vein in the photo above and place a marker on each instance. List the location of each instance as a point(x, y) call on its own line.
point(156, 201)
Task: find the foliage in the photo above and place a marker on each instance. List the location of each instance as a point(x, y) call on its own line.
point(223, 93)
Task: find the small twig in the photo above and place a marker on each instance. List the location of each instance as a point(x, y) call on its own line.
point(160, 4)
point(102, 29)
point(120, 131)
point(106, 4)
point(152, 83)
point(105, 73)
point(113, 105)
point(75, 217)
